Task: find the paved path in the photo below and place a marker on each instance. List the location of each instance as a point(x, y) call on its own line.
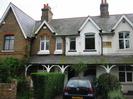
point(129, 96)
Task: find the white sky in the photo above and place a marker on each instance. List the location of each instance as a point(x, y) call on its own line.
point(68, 8)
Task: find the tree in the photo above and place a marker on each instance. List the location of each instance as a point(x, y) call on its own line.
point(79, 68)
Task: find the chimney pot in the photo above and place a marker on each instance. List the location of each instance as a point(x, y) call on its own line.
point(46, 13)
point(104, 8)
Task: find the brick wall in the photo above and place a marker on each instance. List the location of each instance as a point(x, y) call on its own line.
point(8, 90)
point(11, 27)
point(36, 43)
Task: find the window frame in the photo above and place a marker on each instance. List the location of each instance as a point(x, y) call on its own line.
point(9, 43)
point(125, 71)
point(90, 36)
point(124, 39)
point(59, 41)
point(71, 41)
point(44, 40)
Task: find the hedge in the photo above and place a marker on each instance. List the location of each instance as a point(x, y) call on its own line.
point(47, 85)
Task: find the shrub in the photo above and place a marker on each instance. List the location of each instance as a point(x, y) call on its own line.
point(115, 94)
point(23, 90)
point(9, 67)
point(47, 85)
point(106, 83)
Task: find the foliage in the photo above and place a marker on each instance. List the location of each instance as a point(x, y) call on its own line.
point(9, 67)
point(107, 82)
point(47, 85)
point(23, 89)
point(115, 94)
point(79, 68)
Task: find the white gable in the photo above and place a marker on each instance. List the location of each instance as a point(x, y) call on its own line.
point(89, 20)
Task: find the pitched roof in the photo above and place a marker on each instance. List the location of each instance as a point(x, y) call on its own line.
point(41, 25)
point(84, 59)
point(25, 22)
point(67, 26)
point(70, 26)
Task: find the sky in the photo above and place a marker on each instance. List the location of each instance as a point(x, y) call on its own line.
point(68, 8)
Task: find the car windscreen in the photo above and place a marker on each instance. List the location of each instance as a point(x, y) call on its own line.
point(79, 83)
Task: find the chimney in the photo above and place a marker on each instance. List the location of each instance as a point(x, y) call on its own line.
point(46, 13)
point(104, 8)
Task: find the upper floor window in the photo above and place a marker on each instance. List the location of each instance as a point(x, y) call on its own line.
point(125, 74)
point(44, 43)
point(90, 41)
point(58, 43)
point(72, 44)
point(124, 41)
point(9, 42)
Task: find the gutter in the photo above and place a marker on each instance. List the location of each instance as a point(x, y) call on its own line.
point(101, 42)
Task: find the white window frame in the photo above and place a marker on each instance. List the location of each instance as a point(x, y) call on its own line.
point(94, 36)
point(71, 40)
point(124, 39)
point(44, 40)
point(58, 40)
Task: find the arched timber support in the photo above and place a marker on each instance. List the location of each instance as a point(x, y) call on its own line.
point(27, 67)
point(48, 68)
point(107, 67)
point(62, 67)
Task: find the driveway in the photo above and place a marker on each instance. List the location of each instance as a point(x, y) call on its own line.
point(126, 96)
point(58, 97)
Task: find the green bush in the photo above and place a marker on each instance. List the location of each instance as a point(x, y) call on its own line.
point(47, 85)
point(23, 90)
point(106, 83)
point(115, 94)
point(9, 67)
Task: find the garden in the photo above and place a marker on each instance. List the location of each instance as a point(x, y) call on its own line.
point(49, 85)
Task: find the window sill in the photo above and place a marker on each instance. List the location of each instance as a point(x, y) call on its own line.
point(7, 51)
point(58, 52)
point(89, 50)
point(126, 83)
point(72, 51)
point(43, 52)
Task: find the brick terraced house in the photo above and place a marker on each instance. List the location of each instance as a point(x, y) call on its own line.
point(104, 43)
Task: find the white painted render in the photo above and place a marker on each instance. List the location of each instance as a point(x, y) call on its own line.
point(115, 41)
point(90, 27)
point(122, 27)
point(80, 41)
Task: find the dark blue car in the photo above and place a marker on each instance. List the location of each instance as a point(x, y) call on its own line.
point(79, 88)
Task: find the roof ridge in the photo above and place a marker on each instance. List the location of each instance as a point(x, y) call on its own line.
point(70, 18)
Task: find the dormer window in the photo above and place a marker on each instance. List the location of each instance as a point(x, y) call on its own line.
point(124, 40)
point(89, 41)
point(44, 45)
point(9, 42)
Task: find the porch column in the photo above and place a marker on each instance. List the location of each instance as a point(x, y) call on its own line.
point(107, 67)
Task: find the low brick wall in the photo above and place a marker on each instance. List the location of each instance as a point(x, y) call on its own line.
point(8, 90)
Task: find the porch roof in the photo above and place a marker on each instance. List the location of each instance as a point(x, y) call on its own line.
point(78, 59)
